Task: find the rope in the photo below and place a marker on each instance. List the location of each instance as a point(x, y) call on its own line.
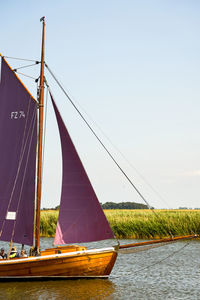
point(122, 155)
point(17, 58)
point(44, 135)
point(18, 169)
point(25, 75)
point(22, 151)
point(48, 88)
point(105, 148)
point(22, 185)
point(94, 133)
point(160, 261)
point(38, 95)
point(27, 66)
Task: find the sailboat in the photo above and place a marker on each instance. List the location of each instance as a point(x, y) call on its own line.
point(81, 218)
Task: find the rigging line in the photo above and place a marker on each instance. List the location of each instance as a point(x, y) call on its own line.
point(160, 261)
point(37, 112)
point(27, 66)
point(22, 151)
point(25, 128)
point(44, 135)
point(25, 170)
point(17, 58)
point(49, 90)
point(23, 145)
point(123, 156)
point(120, 152)
point(25, 75)
point(108, 152)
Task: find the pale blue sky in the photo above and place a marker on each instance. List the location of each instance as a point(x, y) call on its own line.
point(134, 66)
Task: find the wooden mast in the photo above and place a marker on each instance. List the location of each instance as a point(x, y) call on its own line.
point(40, 139)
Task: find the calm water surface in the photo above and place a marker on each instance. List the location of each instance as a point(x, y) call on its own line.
point(154, 274)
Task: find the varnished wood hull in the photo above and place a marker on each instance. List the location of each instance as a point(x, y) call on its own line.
point(79, 264)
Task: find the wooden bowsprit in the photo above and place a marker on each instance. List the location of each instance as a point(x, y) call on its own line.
point(143, 246)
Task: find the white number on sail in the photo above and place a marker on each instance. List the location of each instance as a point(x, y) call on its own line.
point(17, 114)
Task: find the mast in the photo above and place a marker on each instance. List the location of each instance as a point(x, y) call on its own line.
point(40, 138)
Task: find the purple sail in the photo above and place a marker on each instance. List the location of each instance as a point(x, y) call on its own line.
point(81, 218)
point(18, 138)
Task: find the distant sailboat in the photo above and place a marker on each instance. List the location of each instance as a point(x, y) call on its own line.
point(81, 218)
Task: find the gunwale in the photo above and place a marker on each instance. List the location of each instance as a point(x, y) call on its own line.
point(57, 255)
point(94, 263)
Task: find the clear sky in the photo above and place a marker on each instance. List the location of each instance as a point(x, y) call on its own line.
point(134, 67)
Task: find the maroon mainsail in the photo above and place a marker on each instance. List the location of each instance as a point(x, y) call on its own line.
point(81, 218)
point(18, 137)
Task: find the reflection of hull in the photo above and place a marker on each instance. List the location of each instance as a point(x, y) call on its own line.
point(63, 263)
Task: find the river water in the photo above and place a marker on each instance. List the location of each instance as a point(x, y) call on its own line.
point(169, 272)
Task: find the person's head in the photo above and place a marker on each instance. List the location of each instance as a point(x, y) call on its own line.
point(2, 250)
point(14, 250)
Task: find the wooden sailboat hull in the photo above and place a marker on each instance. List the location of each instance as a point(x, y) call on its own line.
point(79, 264)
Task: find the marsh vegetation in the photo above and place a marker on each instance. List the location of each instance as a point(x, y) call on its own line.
point(138, 224)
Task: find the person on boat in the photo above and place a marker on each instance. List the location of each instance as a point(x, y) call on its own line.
point(23, 253)
point(14, 253)
point(3, 255)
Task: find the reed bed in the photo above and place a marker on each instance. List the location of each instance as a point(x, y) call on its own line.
point(138, 224)
point(48, 222)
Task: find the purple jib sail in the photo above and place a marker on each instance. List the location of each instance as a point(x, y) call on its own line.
point(81, 218)
point(18, 135)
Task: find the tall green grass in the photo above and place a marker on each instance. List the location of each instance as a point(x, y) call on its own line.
point(48, 222)
point(138, 224)
point(146, 224)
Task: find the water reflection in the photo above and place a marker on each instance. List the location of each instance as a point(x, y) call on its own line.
point(65, 289)
point(144, 275)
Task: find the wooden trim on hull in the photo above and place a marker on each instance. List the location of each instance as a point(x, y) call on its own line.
point(81, 264)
